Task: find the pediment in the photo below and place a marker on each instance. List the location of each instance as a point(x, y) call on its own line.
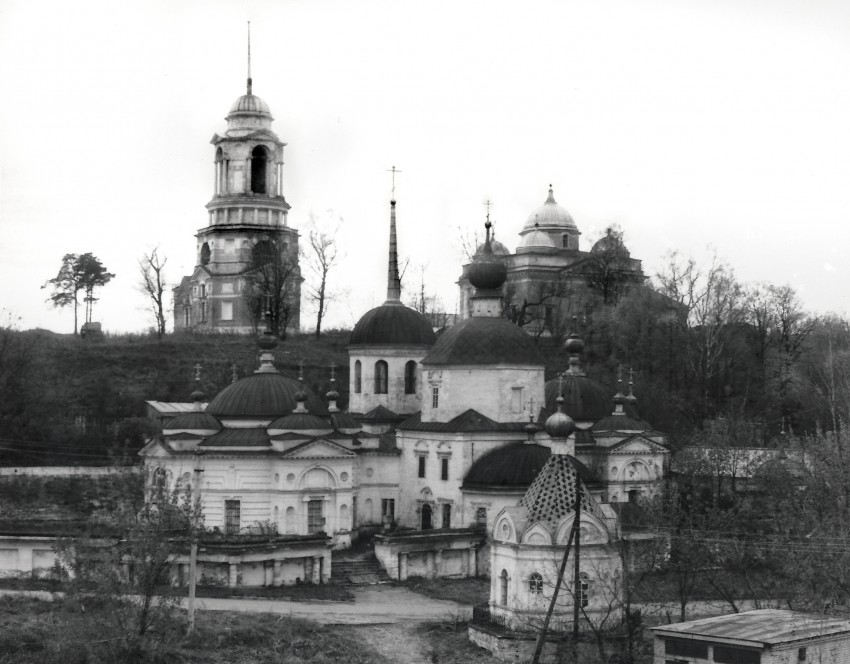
point(156, 448)
point(318, 448)
point(638, 444)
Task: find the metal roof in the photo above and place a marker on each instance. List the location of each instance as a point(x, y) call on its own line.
point(764, 626)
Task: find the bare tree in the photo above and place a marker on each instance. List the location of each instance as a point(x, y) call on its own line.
point(152, 282)
point(272, 284)
point(322, 255)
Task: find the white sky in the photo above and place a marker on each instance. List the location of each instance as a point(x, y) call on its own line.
point(690, 124)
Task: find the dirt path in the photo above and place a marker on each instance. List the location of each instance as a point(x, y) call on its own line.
point(400, 644)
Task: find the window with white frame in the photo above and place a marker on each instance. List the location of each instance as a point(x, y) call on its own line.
point(435, 396)
point(227, 311)
point(535, 584)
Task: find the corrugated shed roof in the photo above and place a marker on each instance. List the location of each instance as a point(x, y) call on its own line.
point(763, 626)
point(484, 341)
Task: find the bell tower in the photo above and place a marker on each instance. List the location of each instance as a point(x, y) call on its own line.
point(247, 255)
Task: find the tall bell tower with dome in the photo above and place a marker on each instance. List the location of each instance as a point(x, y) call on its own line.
point(247, 254)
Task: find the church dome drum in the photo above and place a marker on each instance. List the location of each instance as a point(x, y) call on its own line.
point(392, 324)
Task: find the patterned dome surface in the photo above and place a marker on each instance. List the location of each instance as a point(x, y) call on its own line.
point(552, 495)
point(512, 466)
point(193, 421)
point(262, 395)
point(584, 398)
point(484, 341)
point(392, 324)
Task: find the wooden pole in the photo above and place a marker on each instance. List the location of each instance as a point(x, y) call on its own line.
point(193, 559)
point(541, 638)
point(193, 550)
point(578, 595)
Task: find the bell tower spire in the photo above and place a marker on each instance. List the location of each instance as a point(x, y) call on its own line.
point(393, 280)
point(250, 81)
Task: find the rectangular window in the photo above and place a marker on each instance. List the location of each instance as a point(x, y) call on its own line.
point(421, 466)
point(388, 508)
point(435, 397)
point(227, 311)
point(231, 517)
point(801, 655)
point(226, 287)
point(186, 316)
point(516, 399)
point(203, 312)
point(203, 288)
point(315, 522)
point(733, 655)
point(447, 515)
point(481, 517)
point(444, 468)
point(686, 648)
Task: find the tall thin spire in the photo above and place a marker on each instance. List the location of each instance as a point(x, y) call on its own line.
point(393, 280)
point(250, 82)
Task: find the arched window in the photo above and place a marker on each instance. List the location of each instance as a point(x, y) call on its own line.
point(503, 587)
point(205, 253)
point(410, 377)
point(583, 590)
point(290, 520)
point(380, 377)
point(259, 159)
point(263, 253)
point(358, 377)
point(535, 584)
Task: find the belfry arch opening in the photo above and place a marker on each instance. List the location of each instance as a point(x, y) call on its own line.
point(205, 253)
point(259, 161)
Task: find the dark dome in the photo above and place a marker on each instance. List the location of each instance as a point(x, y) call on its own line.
point(485, 341)
point(300, 422)
point(608, 243)
point(193, 421)
point(584, 398)
point(392, 324)
point(262, 395)
point(514, 466)
point(620, 423)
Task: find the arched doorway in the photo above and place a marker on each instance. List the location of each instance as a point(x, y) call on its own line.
point(427, 517)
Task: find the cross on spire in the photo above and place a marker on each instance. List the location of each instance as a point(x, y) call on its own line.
point(197, 372)
point(301, 370)
point(393, 170)
point(233, 376)
point(560, 385)
point(333, 371)
point(531, 406)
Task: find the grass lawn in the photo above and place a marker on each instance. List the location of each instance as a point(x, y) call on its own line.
point(473, 590)
point(57, 632)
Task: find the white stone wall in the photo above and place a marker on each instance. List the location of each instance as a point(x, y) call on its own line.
point(500, 392)
point(461, 451)
point(395, 399)
point(377, 478)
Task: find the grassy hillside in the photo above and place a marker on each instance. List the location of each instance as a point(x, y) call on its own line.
point(64, 399)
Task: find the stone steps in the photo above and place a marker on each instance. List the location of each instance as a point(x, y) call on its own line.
point(367, 571)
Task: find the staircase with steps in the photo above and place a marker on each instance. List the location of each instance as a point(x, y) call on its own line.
point(359, 571)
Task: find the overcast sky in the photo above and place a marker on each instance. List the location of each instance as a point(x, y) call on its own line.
point(689, 124)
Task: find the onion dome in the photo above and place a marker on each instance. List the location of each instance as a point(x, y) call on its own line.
point(249, 104)
point(484, 341)
point(550, 216)
point(392, 324)
point(194, 421)
point(513, 466)
point(262, 396)
point(559, 425)
point(609, 243)
point(487, 272)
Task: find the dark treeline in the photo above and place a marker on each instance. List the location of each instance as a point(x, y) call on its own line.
point(66, 400)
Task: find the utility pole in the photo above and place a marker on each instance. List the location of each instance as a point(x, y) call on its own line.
point(193, 545)
point(574, 534)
